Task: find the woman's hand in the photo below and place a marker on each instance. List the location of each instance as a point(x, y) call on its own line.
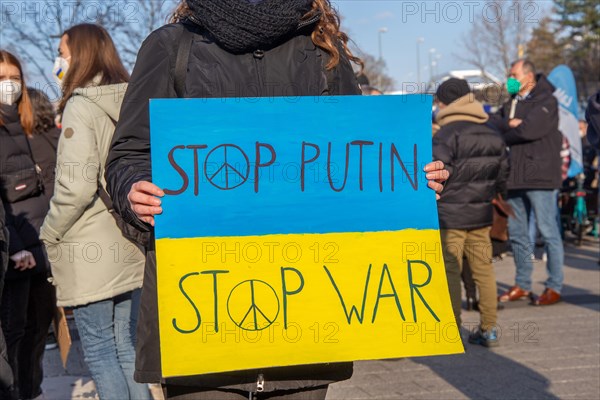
point(436, 175)
point(144, 202)
point(24, 260)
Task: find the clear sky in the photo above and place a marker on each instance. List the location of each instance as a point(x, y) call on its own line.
point(440, 23)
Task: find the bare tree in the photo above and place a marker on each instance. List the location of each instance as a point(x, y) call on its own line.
point(32, 29)
point(545, 49)
point(376, 71)
point(499, 34)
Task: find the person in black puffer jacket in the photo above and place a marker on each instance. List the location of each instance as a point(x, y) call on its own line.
point(592, 116)
point(44, 141)
point(240, 49)
point(27, 308)
point(476, 157)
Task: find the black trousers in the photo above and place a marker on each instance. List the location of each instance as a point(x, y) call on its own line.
point(26, 313)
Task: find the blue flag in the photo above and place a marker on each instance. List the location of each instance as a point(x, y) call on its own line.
point(566, 93)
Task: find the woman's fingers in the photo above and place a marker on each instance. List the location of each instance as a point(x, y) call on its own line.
point(148, 219)
point(31, 261)
point(25, 263)
point(23, 260)
point(136, 197)
point(142, 210)
point(434, 166)
point(147, 187)
point(437, 187)
point(144, 202)
point(438, 176)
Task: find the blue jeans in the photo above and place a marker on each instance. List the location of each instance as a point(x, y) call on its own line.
point(107, 331)
point(543, 204)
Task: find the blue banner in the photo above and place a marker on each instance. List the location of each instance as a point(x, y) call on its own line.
point(566, 93)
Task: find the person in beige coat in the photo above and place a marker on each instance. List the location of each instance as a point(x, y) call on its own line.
point(95, 269)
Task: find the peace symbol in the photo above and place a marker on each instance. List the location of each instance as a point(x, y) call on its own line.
point(243, 309)
point(221, 156)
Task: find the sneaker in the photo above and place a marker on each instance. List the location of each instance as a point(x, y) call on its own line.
point(51, 342)
point(484, 338)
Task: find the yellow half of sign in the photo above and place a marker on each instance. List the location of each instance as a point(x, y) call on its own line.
point(234, 303)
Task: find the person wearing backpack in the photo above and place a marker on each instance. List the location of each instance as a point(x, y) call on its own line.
point(212, 49)
point(95, 269)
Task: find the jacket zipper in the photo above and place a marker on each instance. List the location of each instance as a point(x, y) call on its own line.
point(260, 383)
point(258, 56)
point(260, 387)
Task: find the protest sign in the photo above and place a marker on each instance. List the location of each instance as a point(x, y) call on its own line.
point(296, 231)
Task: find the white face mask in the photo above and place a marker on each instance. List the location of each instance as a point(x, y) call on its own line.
point(10, 92)
point(61, 66)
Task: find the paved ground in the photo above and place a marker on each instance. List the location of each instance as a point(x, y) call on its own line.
point(545, 353)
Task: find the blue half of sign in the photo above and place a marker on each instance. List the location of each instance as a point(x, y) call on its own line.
point(339, 164)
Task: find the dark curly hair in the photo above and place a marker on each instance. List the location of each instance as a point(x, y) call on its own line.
point(43, 111)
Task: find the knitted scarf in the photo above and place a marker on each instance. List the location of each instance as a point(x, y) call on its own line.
point(241, 26)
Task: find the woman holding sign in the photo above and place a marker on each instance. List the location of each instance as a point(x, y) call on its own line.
point(212, 49)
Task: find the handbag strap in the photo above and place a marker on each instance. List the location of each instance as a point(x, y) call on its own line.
point(102, 193)
point(105, 197)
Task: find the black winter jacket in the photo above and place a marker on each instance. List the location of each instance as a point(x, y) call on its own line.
point(293, 68)
point(592, 116)
point(23, 218)
point(6, 377)
point(476, 157)
point(3, 247)
point(535, 145)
